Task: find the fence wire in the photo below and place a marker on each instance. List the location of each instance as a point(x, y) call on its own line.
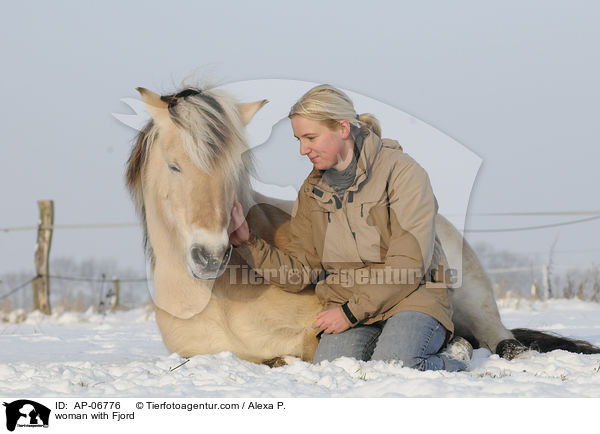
point(12, 291)
point(72, 278)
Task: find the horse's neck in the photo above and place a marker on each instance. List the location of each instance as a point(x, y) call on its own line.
point(176, 291)
point(249, 198)
point(268, 217)
point(245, 194)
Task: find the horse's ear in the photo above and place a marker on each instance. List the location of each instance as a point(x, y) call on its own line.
point(158, 109)
point(248, 109)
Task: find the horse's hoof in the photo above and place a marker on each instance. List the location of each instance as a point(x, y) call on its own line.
point(510, 348)
point(275, 362)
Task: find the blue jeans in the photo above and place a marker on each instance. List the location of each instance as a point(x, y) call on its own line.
point(413, 337)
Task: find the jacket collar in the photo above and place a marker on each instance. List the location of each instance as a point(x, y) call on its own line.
point(323, 192)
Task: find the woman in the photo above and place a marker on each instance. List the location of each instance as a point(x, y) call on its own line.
point(362, 230)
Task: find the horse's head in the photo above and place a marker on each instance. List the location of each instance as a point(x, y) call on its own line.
point(186, 170)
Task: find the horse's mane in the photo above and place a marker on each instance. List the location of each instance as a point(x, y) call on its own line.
point(212, 136)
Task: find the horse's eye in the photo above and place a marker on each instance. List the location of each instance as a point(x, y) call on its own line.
point(174, 168)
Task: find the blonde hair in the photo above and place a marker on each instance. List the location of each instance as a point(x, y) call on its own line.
point(330, 105)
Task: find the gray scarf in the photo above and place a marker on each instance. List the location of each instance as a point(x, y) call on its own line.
point(340, 180)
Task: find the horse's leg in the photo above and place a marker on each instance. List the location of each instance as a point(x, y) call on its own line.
point(309, 348)
point(309, 345)
point(475, 313)
point(270, 218)
point(204, 333)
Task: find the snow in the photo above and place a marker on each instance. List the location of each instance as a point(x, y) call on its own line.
point(121, 354)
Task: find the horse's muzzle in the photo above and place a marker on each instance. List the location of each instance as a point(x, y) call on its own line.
point(207, 266)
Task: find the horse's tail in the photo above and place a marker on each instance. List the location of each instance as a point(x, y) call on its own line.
point(545, 342)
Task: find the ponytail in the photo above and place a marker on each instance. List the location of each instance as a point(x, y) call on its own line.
point(370, 122)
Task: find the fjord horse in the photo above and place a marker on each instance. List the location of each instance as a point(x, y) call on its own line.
point(186, 169)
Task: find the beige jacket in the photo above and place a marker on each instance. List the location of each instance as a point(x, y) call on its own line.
point(374, 251)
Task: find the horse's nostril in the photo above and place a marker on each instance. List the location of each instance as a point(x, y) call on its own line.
point(199, 256)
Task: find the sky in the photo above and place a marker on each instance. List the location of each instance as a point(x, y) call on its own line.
point(515, 82)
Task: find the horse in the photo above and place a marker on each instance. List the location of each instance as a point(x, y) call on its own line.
point(187, 166)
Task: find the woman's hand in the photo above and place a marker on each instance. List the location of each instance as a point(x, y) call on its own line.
point(332, 321)
point(238, 226)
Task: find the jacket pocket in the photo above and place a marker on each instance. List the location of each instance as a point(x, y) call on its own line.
point(363, 219)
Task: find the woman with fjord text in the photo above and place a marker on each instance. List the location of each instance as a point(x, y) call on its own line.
point(365, 209)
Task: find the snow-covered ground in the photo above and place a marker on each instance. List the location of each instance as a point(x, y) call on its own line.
point(121, 355)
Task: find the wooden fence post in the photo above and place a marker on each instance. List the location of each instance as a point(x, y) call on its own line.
point(117, 289)
point(535, 290)
point(546, 281)
point(41, 284)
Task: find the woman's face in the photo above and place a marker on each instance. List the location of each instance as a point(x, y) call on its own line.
point(324, 147)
